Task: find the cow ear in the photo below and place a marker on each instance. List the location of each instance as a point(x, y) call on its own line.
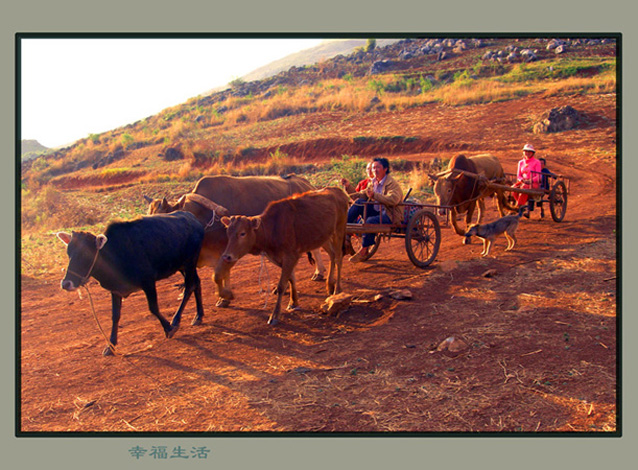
point(65, 237)
point(100, 241)
point(225, 221)
point(255, 222)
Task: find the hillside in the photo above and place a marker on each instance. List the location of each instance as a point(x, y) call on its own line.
point(535, 329)
point(324, 51)
point(31, 149)
point(232, 127)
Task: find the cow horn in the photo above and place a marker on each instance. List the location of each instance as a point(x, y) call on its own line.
point(444, 173)
point(147, 199)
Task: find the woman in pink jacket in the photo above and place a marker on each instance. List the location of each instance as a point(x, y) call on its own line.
point(528, 176)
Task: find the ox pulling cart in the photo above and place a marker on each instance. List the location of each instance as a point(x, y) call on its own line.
point(420, 228)
point(556, 195)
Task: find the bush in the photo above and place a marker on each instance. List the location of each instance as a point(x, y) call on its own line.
point(52, 209)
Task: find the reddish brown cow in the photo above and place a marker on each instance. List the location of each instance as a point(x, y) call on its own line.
point(216, 196)
point(285, 230)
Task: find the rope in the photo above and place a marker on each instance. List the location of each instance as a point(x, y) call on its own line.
point(111, 346)
point(108, 341)
point(211, 222)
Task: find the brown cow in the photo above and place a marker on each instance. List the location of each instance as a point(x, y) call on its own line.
point(216, 196)
point(456, 188)
point(288, 228)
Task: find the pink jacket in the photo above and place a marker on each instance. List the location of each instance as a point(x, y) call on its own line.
point(529, 169)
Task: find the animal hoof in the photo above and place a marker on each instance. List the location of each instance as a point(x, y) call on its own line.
point(196, 322)
point(108, 352)
point(292, 307)
point(222, 303)
point(170, 333)
point(272, 321)
point(317, 277)
point(467, 240)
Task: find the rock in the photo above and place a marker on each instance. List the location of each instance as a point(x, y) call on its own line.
point(380, 66)
point(489, 273)
point(528, 55)
point(173, 153)
point(401, 294)
point(336, 303)
point(557, 120)
point(452, 346)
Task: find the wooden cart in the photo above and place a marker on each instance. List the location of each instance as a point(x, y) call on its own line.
point(420, 229)
point(556, 195)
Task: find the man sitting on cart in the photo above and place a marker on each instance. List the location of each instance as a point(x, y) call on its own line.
point(386, 192)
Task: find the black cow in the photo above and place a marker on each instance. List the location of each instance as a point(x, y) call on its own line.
point(132, 256)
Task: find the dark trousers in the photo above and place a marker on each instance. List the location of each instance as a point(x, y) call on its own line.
point(372, 217)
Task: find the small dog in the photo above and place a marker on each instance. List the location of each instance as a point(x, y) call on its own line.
point(488, 232)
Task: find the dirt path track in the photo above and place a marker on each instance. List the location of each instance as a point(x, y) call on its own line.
point(541, 332)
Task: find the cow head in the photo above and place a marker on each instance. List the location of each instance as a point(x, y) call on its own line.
point(82, 250)
point(444, 189)
point(241, 233)
point(162, 206)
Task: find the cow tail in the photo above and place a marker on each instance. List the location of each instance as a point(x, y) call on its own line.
point(311, 259)
point(505, 203)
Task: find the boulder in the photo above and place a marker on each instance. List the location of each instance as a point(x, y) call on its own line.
point(336, 303)
point(558, 120)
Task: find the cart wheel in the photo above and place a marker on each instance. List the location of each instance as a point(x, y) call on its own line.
point(558, 201)
point(422, 238)
point(356, 241)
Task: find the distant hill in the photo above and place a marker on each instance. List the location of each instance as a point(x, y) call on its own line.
point(32, 146)
point(324, 51)
point(31, 149)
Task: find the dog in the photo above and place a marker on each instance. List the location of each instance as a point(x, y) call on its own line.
point(488, 232)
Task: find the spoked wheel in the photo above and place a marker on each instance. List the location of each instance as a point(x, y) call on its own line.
point(422, 238)
point(357, 240)
point(558, 201)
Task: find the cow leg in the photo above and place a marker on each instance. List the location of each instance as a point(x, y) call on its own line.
point(222, 279)
point(287, 267)
point(332, 250)
point(455, 223)
point(191, 283)
point(320, 269)
point(481, 211)
point(116, 309)
point(339, 254)
point(200, 305)
point(468, 223)
point(151, 298)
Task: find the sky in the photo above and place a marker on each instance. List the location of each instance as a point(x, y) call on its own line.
point(71, 88)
